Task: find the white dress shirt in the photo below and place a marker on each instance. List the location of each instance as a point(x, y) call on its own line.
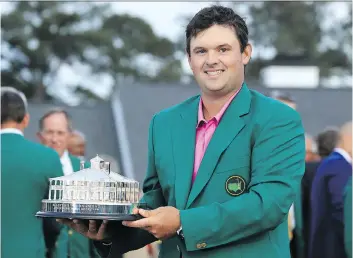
point(11, 130)
point(345, 154)
point(66, 163)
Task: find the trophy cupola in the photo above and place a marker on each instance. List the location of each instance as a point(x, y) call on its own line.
point(97, 163)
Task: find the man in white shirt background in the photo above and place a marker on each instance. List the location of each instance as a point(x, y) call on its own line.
point(55, 129)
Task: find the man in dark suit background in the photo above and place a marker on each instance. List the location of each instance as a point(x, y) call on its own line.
point(322, 147)
point(326, 236)
point(327, 141)
point(347, 210)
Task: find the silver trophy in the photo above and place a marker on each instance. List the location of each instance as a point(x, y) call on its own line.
point(92, 193)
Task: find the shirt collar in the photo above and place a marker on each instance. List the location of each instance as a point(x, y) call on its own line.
point(345, 154)
point(65, 157)
point(11, 130)
point(201, 118)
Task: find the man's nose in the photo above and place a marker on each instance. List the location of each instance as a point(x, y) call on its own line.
point(54, 139)
point(212, 58)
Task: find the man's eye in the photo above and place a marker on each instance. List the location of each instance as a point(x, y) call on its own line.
point(201, 51)
point(223, 49)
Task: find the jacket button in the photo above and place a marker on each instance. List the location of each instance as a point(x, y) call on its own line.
point(70, 232)
point(201, 245)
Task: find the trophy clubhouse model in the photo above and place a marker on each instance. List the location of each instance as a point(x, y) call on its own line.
point(92, 193)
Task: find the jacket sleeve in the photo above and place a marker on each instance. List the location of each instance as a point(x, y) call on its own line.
point(126, 239)
point(277, 167)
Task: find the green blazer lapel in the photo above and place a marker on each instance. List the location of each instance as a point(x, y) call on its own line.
point(229, 127)
point(184, 136)
point(75, 162)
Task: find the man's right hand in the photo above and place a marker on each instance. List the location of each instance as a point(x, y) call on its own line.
point(91, 230)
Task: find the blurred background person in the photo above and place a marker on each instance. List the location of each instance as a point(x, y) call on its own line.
point(25, 170)
point(327, 224)
point(311, 149)
point(295, 214)
point(77, 144)
point(284, 97)
point(55, 129)
point(327, 141)
point(316, 151)
point(312, 161)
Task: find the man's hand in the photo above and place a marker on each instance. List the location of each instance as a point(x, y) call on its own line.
point(91, 231)
point(162, 222)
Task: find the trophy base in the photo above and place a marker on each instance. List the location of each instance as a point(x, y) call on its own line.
point(86, 211)
point(63, 215)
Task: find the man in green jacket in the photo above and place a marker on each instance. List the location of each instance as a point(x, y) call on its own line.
point(55, 129)
point(25, 171)
point(200, 149)
point(295, 216)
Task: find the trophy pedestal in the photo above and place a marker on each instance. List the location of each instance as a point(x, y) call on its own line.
point(62, 215)
point(86, 211)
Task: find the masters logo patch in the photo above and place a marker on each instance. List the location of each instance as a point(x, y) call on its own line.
point(235, 185)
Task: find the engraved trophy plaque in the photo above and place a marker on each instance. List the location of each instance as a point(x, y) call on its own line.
point(92, 193)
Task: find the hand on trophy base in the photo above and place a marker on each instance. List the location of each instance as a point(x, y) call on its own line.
point(162, 222)
point(92, 229)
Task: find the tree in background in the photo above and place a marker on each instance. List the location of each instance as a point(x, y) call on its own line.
point(39, 38)
point(301, 29)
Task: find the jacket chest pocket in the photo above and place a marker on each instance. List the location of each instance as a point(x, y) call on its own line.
point(233, 163)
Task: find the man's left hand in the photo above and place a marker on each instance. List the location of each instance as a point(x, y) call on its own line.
point(162, 222)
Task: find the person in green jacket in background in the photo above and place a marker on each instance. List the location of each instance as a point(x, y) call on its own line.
point(55, 129)
point(295, 216)
point(25, 171)
point(347, 213)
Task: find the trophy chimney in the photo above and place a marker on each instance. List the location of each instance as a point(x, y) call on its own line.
point(106, 167)
point(97, 163)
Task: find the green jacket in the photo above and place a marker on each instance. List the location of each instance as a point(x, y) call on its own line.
point(259, 144)
point(70, 243)
point(348, 218)
point(25, 170)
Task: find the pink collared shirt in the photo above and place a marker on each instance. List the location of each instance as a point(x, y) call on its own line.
point(204, 132)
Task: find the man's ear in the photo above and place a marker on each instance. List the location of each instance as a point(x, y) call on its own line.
point(246, 55)
point(189, 59)
point(25, 121)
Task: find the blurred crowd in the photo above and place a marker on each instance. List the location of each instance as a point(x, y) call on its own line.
point(319, 221)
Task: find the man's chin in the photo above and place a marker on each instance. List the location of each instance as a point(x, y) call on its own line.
point(215, 89)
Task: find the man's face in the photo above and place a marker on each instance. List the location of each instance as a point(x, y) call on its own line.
point(216, 60)
point(76, 145)
point(310, 156)
point(55, 133)
point(347, 141)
